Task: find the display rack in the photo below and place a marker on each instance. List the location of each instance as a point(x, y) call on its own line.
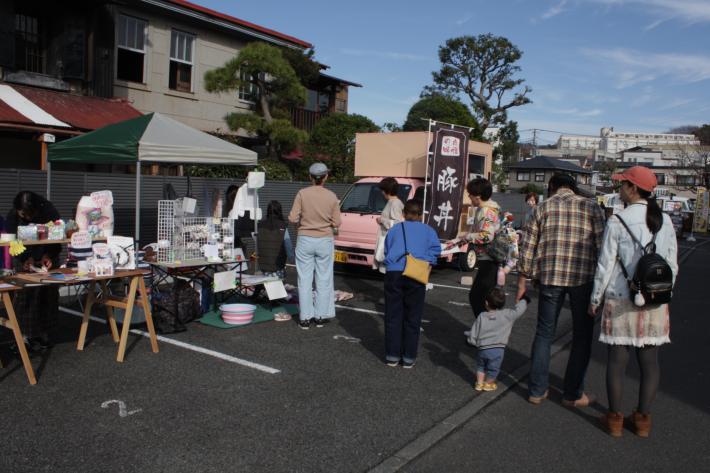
point(166, 230)
point(185, 238)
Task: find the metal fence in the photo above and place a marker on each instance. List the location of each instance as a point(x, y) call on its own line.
point(68, 187)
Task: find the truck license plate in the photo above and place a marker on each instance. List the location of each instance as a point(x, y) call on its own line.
point(340, 257)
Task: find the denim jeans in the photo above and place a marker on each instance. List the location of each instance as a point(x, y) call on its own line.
point(549, 307)
point(315, 255)
point(489, 361)
point(404, 306)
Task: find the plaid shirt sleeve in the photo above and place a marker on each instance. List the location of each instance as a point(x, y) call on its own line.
point(598, 225)
point(531, 234)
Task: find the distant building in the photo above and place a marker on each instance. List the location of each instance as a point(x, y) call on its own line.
point(610, 143)
point(539, 170)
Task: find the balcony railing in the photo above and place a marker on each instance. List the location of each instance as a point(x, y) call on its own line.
point(305, 119)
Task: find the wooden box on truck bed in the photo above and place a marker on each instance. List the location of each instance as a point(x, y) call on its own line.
point(403, 154)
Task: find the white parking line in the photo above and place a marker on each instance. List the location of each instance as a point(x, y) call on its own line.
point(188, 346)
point(452, 287)
point(357, 309)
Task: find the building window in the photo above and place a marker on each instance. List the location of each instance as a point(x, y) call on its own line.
point(130, 44)
point(181, 55)
point(29, 50)
point(539, 176)
point(341, 105)
point(685, 180)
point(249, 92)
point(523, 176)
point(661, 178)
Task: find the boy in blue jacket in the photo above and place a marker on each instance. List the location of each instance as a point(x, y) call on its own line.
point(404, 297)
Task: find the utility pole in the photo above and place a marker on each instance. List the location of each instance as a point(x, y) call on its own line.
point(534, 142)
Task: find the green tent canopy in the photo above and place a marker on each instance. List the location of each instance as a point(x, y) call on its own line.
point(151, 138)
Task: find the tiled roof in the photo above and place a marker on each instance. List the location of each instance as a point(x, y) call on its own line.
point(546, 162)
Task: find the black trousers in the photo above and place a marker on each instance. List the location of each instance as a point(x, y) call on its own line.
point(404, 306)
point(484, 281)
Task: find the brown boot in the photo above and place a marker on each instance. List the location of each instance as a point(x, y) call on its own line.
point(613, 423)
point(642, 424)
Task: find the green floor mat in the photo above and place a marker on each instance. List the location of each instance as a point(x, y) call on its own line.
point(262, 314)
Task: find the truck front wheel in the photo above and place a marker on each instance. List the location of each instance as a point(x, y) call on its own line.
point(466, 261)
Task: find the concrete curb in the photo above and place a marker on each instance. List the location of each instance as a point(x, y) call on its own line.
point(459, 417)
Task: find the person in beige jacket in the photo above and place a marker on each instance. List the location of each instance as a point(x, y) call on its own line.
point(316, 212)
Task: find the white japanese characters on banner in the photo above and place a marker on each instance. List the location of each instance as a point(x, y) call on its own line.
point(447, 174)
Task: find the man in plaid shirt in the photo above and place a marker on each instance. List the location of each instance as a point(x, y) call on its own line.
point(559, 250)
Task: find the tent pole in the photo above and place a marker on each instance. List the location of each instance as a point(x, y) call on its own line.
point(49, 180)
point(138, 204)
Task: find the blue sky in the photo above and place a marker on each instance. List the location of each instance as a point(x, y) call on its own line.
point(636, 65)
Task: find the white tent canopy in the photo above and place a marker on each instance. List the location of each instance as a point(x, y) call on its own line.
point(168, 141)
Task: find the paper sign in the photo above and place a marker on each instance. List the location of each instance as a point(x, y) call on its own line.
point(210, 251)
point(275, 290)
point(102, 199)
point(225, 281)
point(81, 240)
point(101, 250)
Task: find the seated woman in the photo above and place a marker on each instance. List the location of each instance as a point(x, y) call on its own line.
point(274, 242)
point(36, 307)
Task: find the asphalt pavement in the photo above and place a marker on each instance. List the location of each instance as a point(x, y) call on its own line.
point(271, 397)
point(512, 434)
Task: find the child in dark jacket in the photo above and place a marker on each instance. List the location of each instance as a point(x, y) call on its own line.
point(490, 333)
point(404, 297)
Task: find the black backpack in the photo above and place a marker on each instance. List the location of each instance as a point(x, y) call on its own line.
point(175, 307)
point(653, 278)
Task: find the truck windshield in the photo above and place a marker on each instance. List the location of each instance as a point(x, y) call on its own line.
point(367, 198)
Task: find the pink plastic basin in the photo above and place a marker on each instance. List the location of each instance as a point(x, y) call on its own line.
point(237, 314)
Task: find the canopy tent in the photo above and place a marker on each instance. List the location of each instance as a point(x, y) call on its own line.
point(152, 138)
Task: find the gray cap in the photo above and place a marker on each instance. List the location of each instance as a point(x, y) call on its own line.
point(318, 170)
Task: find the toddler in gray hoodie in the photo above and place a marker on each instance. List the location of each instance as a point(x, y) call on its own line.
point(490, 333)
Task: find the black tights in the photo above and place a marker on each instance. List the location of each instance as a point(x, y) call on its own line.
point(650, 375)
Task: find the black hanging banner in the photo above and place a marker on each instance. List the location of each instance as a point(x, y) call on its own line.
point(447, 175)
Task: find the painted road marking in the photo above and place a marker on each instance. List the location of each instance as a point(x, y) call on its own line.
point(452, 287)
point(122, 411)
point(346, 338)
point(357, 309)
point(459, 303)
point(188, 346)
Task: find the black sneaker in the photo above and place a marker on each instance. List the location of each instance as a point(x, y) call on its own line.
point(305, 324)
point(407, 364)
point(392, 363)
point(321, 322)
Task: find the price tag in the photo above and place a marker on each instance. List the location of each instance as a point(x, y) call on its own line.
point(81, 240)
point(101, 250)
point(102, 199)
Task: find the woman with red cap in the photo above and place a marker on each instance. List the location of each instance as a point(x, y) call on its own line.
point(626, 326)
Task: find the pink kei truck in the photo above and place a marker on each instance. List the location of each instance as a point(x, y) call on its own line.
point(402, 156)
